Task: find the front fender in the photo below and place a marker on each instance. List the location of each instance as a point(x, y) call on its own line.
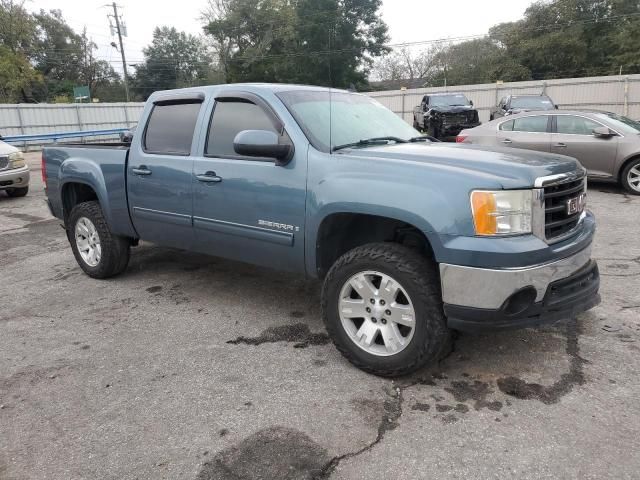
point(427, 207)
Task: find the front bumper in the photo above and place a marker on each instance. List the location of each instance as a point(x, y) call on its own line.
point(452, 130)
point(14, 178)
point(490, 299)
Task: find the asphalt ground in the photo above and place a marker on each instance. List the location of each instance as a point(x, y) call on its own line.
point(194, 367)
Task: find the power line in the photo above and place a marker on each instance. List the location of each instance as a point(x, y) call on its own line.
point(121, 30)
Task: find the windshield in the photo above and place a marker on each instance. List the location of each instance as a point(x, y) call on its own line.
point(448, 100)
point(353, 117)
point(532, 103)
point(620, 123)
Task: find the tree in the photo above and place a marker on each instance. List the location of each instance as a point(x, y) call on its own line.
point(173, 60)
point(17, 27)
point(326, 42)
point(17, 77)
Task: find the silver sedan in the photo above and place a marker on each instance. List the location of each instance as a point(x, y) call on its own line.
point(607, 145)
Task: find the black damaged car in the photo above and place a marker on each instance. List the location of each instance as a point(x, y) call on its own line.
point(444, 115)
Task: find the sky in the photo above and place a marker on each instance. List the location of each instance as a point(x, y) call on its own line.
point(408, 20)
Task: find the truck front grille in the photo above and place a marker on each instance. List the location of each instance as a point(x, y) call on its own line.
point(458, 118)
point(4, 162)
point(558, 220)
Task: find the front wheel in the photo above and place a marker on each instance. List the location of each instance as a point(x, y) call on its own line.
point(631, 177)
point(99, 253)
point(382, 307)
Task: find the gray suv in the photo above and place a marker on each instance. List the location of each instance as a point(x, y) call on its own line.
point(514, 104)
point(606, 144)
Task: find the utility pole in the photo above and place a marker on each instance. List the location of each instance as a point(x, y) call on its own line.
point(118, 29)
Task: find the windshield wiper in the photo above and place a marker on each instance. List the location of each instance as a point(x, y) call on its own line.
point(368, 142)
point(423, 138)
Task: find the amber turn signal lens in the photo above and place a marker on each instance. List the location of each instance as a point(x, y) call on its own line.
point(483, 205)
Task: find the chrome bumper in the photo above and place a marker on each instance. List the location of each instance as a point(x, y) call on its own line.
point(14, 178)
point(488, 288)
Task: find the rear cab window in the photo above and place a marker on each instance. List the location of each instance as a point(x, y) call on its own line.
point(170, 128)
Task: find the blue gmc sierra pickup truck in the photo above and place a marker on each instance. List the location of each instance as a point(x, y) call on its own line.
point(412, 238)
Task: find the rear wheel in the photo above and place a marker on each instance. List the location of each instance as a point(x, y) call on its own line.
point(18, 192)
point(382, 306)
point(99, 253)
point(631, 177)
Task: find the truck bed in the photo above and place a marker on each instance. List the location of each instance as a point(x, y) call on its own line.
point(83, 168)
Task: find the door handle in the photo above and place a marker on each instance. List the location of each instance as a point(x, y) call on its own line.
point(506, 141)
point(561, 145)
point(141, 170)
point(209, 177)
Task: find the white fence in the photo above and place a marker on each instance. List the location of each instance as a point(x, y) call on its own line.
point(27, 118)
point(619, 94)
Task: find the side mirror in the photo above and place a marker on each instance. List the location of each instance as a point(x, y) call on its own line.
point(504, 107)
point(471, 102)
point(556, 107)
point(602, 132)
point(262, 143)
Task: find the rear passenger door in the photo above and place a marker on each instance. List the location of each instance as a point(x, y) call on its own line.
point(159, 173)
point(530, 132)
point(254, 210)
point(573, 136)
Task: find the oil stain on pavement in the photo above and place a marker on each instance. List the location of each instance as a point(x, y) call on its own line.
point(518, 388)
point(297, 333)
point(275, 452)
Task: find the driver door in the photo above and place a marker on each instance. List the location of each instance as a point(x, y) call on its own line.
point(253, 210)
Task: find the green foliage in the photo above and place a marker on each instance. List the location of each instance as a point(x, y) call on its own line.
point(17, 76)
point(555, 39)
point(173, 60)
point(324, 42)
point(44, 58)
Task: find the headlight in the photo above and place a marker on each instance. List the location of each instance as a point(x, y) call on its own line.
point(504, 212)
point(16, 160)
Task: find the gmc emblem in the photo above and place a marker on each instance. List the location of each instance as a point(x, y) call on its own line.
point(576, 204)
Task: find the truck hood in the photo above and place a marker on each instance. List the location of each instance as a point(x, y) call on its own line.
point(509, 167)
point(452, 108)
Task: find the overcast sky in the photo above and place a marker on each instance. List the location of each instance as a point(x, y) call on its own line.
point(408, 20)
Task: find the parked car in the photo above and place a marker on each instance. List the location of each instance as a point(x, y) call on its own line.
point(444, 115)
point(606, 144)
point(14, 173)
point(514, 104)
point(412, 238)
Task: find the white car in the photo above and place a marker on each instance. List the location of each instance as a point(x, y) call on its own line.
point(14, 173)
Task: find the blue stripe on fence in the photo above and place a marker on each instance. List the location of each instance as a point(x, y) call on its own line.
point(56, 136)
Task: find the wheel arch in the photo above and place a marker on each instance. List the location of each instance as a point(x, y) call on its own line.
point(625, 163)
point(341, 231)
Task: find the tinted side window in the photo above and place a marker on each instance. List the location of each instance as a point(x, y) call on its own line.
point(229, 119)
point(507, 125)
point(530, 124)
point(575, 125)
point(170, 128)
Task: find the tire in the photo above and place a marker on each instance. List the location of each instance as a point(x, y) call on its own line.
point(113, 250)
point(18, 192)
point(433, 131)
point(630, 177)
point(430, 339)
